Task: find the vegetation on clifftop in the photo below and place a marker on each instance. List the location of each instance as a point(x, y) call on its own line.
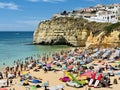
point(110, 28)
point(70, 30)
point(80, 24)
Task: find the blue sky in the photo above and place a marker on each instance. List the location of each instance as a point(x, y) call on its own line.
point(25, 15)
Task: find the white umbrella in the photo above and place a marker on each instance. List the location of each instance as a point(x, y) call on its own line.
point(10, 75)
point(30, 65)
point(60, 86)
point(3, 82)
point(53, 88)
point(117, 53)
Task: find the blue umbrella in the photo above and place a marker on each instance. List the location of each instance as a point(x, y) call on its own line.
point(82, 62)
point(118, 73)
point(35, 81)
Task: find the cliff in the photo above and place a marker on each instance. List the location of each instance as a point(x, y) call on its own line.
point(70, 31)
point(109, 37)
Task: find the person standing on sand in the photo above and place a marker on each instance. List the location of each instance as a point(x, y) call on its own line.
point(15, 73)
point(45, 70)
point(7, 82)
point(11, 81)
point(18, 73)
point(6, 74)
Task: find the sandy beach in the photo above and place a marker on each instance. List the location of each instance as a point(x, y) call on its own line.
point(53, 76)
point(53, 79)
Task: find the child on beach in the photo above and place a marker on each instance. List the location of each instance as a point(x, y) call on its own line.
point(11, 81)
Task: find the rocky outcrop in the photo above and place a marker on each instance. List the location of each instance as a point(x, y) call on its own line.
point(60, 31)
point(76, 32)
point(111, 40)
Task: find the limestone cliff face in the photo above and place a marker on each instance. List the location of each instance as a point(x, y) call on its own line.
point(60, 31)
point(111, 40)
point(76, 32)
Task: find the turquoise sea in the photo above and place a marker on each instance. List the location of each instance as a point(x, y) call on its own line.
point(17, 45)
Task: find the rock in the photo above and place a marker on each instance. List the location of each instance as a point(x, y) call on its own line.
point(76, 32)
point(60, 31)
point(111, 40)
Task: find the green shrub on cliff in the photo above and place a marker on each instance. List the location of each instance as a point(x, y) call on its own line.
point(110, 28)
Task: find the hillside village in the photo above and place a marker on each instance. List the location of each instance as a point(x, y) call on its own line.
point(99, 13)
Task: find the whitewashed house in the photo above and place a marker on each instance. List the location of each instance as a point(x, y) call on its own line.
point(104, 16)
point(98, 13)
point(108, 13)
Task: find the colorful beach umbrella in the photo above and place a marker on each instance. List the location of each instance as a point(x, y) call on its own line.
point(24, 72)
point(60, 86)
point(53, 88)
point(70, 67)
point(3, 89)
point(81, 78)
point(48, 65)
point(45, 84)
point(118, 63)
point(35, 81)
point(33, 88)
point(56, 68)
point(87, 74)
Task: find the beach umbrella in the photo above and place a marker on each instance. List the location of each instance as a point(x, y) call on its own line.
point(81, 78)
point(33, 88)
point(35, 81)
point(10, 75)
point(112, 64)
point(118, 63)
point(3, 83)
point(56, 68)
point(3, 89)
point(118, 73)
point(82, 62)
point(70, 67)
point(95, 50)
point(64, 67)
point(39, 63)
point(48, 65)
point(24, 72)
point(45, 84)
point(53, 88)
point(87, 74)
point(60, 86)
point(30, 65)
point(106, 54)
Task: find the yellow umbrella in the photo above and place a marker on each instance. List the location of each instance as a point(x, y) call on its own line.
point(112, 64)
point(81, 78)
point(24, 72)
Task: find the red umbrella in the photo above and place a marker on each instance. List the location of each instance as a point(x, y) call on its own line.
point(87, 74)
point(70, 67)
point(48, 65)
point(3, 89)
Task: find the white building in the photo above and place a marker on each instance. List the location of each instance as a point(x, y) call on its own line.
point(104, 16)
point(113, 7)
point(98, 13)
point(108, 13)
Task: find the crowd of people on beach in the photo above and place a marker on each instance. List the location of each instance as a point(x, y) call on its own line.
point(75, 61)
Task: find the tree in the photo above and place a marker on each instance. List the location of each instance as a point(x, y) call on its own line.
point(64, 13)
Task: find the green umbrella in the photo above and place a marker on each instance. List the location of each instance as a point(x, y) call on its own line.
point(45, 84)
point(33, 88)
point(118, 63)
point(56, 67)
